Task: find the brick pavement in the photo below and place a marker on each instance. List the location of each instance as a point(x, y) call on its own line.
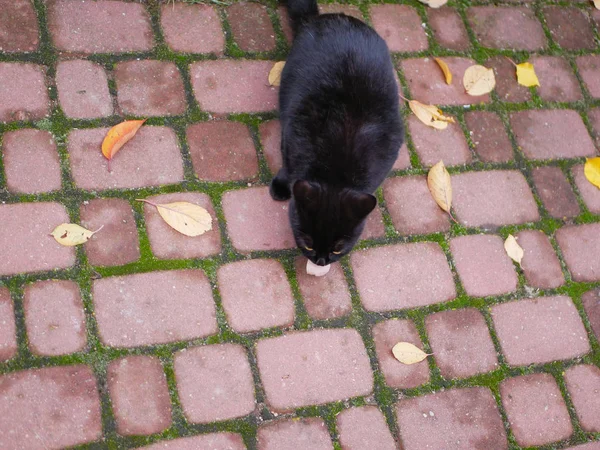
point(145, 338)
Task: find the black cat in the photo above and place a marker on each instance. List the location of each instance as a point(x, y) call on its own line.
point(341, 129)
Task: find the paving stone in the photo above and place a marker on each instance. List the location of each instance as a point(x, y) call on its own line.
point(483, 266)
point(461, 343)
point(256, 222)
point(510, 27)
point(222, 151)
point(589, 67)
point(152, 158)
point(590, 445)
point(154, 308)
point(556, 192)
point(535, 408)
point(412, 207)
point(54, 317)
point(434, 90)
point(576, 243)
point(540, 330)
point(558, 82)
point(23, 95)
point(150, 88)
point(192, 28)
point(591, 304)
point(31, 162)
point(400, 26)
point(215, 81)
point(397, 375)
point(448, 28)
point(402, 276)
point(453, 420)
point(583, 383)
point(166, 243)
point(507, 87)
point(83, 89)
point(117, 243)
point(284, 21)
point(18, 27)
point(364, 427)
point(54, 407)
point(217, 441)
point(489, 137)
point(251, 27)
point(314, 367)
point(308, 433)
point(270, 137)
point(256, 295)
point(594, 117)
point(493, 198)
point(324, 297)
point(540, 264)
point(374, 226)
point(339, 8)
point(570, 27)
point(403, 159)
point(214, 382)
point(99, 27)
point(8, 330)
point(24, 235)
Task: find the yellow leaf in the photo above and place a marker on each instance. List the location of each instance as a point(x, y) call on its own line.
point(187, 218)
point(513, 249)
point(434, 3)
point(445, 70)
point(591, 170)
point(317, 271)
point(440, 186)
point(275, 73)
point(70, 234)
point(526, 75)
point(430, 115)
point(479, 80)
point(597, 4)
point(407, 353)
point(118, 136)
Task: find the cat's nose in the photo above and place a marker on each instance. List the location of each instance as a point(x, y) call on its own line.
point(321, 262)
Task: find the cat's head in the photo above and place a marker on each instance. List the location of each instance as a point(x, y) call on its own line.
point(327, 222)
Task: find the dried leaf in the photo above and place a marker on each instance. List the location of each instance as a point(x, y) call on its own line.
point(187, 218)
point(434, 3)
point(591, 170)
point(438, 181)
point(317, 271)
point(513, 249)
point(430, 115)
point(118, 136)
point(275, 73)
point(407, 353)
point(526, 75)
point(479, 80)
point(597, 4)
point(445, 70)
point(70, 234)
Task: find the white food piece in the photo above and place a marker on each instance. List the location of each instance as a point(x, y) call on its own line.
point(317, 271)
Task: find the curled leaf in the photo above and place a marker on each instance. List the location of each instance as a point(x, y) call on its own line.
point(317, 271)
point(526, 75)
point(118, 136)
point(440, 186)
point(513, 249)
point(187, 218)
point(591, 170)
point(434, 3)
point(407, 353)
point(70, 234)
point(479, 80)
point(430, 115)
point(445, 70)
point(275, 73)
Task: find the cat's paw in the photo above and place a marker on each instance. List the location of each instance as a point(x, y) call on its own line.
point(279, 190)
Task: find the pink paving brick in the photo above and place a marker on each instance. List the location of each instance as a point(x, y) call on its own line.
point(24, 95)
point(256, 222)
point(83, 89)
point(8, 329)
point(493, 198)
point(166, 243)
point(214, 382)
point(285, 23)
point(256, 295)
point(455, 419)
point(540, 330)
point(591, 304)
point(507, 87)
point(31, 161)
point(314, 367)
point(400, 26)
point(25, 235)
point(507, 27)
point(536, 410)
point(589, 192)
point(151, 158)
point(483, 266)
point(117, 242)
point(364, 427)
point(403, 160)
point(374, 226)
point(589, 68)
point(339, 8)
point(397, 375)
point(222, 151)
point(595, 445)
point(251, 27)
point(154, 308)
point(489, 137)
point(307, 433)
point(549, 134)
point(270, 137)
point(402, 276)
point(215, 81)
point(540, 264)
point(594, 117)
point(460, 342)
point(576, 244)
point(49, 408)
point(555, 191)
point(583, 383)
point(219, 441)
point(139, 395)
point(18, 27)
point(412, 207)
point(324, 297)
point(100, 27)
point(448, 28)
point(570, 28)
point(427, 83)
point(150, 88)
point(558, 82)
point(54, 317)
point(192, 28)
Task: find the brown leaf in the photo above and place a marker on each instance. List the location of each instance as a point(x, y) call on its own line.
point(445, 70)
point(513, 249)
point(407, 353)
point(275, 73)
point(479, 80)
point(440, 186)
point(430, 115)
point(118, 136)
point(187, 218)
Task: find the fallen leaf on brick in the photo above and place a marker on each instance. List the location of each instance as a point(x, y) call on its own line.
point(118, 136)
point(479, 80)
point(275, 73)
point(591, 170)
point(434, 3)
point(597, 4)
point(445, 70)
point(317, 271)
point(187, 218)
point(407, 353)
point(513, 249)
point(70, 234)
point(430, 115)
point(440, 186)
point(526, 75)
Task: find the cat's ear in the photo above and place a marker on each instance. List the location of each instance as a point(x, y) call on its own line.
point(358, 205)
point(307, 194)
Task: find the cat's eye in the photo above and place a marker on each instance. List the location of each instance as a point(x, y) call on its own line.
point(337, 253)
point(308, 248)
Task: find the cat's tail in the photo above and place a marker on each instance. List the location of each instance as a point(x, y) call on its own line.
point(300, 11)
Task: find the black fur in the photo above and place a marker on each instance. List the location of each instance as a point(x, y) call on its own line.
point(341, 129)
